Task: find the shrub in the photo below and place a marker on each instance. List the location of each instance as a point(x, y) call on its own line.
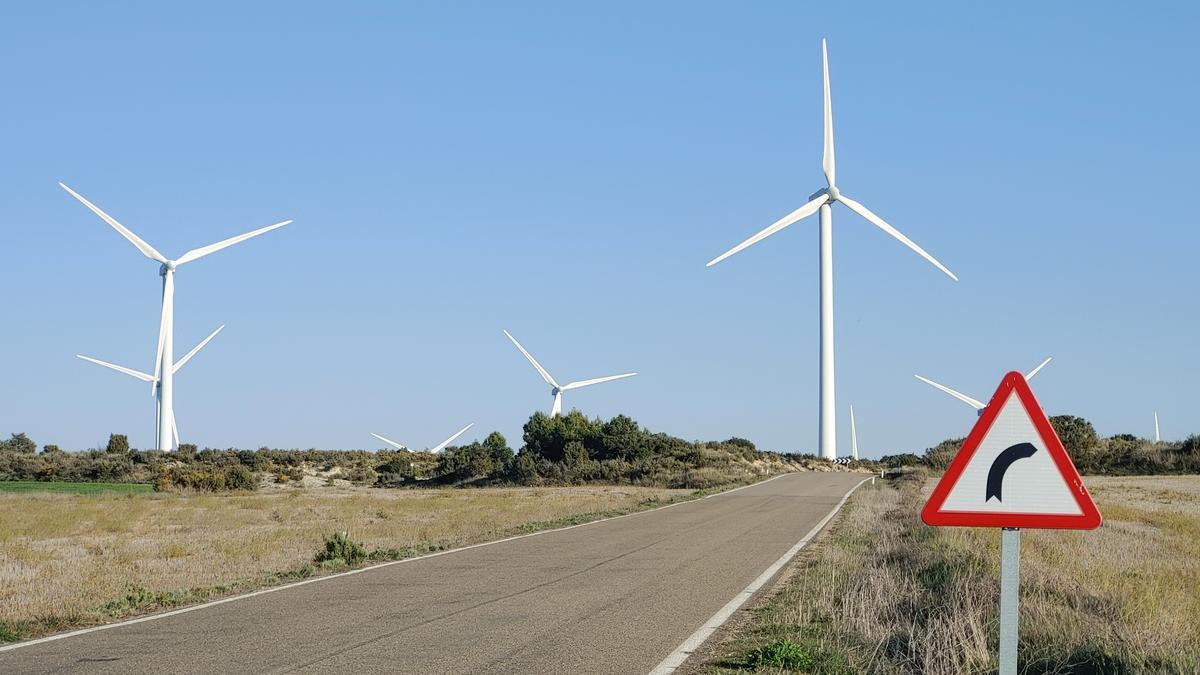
point(118, 444)
point(341, 549)
point(238, 477)
point(781, 654)
point(19, 443)
point(51, 449)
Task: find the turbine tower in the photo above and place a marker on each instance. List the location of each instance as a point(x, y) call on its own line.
point(975, 403)
point(556, 390)
point(164, 365)
point(853, 437)
point(1157, 437)
point(435, 449)
point(821, 201)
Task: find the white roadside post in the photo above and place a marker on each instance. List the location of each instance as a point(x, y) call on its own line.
point(1012, 472)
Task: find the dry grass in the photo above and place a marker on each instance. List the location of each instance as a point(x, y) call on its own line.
point(68, 559)
point(883, 593)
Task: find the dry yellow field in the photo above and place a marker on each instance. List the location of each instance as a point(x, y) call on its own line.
point(69, 559)
point(883, 593)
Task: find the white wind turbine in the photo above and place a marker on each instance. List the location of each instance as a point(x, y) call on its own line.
point(975, 403)
point(1157, 437)
point(164, 365)
point(821, 201)
point(435, 449)
point(556, 389)
point(154, 379)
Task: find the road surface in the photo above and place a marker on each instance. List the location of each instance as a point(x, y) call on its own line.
point(615, 596)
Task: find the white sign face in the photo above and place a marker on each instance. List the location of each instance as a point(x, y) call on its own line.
point(1002, 475)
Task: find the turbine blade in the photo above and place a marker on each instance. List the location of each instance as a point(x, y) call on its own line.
point(541, 371)
point(1035, 370)
point(213, 248)
point(142, 246)
point(389, 442)
point(958, 395)
point(881, 224)
point(853, 435)
point(187, 357)
point(587, 383)
point(802, 212)
point(827, 160)
point(442, 446)
point(120, 369)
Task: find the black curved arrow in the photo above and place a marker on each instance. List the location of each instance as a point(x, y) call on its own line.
point(1000, 466)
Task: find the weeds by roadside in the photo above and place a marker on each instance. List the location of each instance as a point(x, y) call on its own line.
point(883, 593)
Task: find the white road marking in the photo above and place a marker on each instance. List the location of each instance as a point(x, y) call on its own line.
point(690, 645)
point(276, 589)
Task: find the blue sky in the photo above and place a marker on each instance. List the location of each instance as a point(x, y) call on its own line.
point(564, 171)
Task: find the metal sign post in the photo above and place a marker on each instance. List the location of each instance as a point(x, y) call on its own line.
point(1010, 582)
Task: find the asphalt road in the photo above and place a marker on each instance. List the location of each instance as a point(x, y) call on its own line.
point(611, 597)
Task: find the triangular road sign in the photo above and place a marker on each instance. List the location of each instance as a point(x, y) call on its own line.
point(1012, 471)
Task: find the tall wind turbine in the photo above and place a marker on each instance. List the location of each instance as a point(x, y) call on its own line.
point(556, 389)
point(435, 449)
point(821, 201)
point(155, 379)
point(853, 437)
point(1157, 437)
point(976, 403)
point(164, 366)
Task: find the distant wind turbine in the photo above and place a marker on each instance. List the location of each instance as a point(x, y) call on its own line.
point(164, 365)
point(975, 403)
point(556, 389)
point(821, 201)
point(146, 377)
point(853, 437)
point(435, 449)
point(1157, 437)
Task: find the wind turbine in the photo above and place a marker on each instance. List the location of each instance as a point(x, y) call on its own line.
point(556, 389)
point(435, 449)
point(1157, 437)
point(155, 379)
point(853, 437)
point(164, 366)
point(975, 403)
point(821, 201)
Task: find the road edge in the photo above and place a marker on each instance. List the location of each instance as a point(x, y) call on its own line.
point(697, 639)
point(275, 589)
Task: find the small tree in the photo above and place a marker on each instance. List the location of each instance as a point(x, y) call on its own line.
point(51, 449)
point(118, 444)
point(497, 446)
point(19, 443)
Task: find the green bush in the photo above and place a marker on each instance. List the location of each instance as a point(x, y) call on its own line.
point(341, 549)
point(19, 443)
point(781, 654)
point(118, 444)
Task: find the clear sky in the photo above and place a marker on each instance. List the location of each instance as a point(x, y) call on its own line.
point(564, 170)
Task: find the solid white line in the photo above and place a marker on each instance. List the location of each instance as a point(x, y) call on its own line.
point(690, 645)
point(276, 589)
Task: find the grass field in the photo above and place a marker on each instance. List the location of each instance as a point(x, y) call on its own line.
point(76, 488)
point(883, 593)
point(75, 559)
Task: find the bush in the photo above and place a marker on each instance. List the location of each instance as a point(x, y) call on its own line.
point(341, 549)
point(19, 443)
point(238, 477)
point(118, 444)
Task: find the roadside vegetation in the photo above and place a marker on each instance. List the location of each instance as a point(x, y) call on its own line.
point(1117, 455)
point(881, 592)
point(564, 450)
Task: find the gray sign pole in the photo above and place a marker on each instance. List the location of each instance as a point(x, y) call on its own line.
point(1010, 583)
